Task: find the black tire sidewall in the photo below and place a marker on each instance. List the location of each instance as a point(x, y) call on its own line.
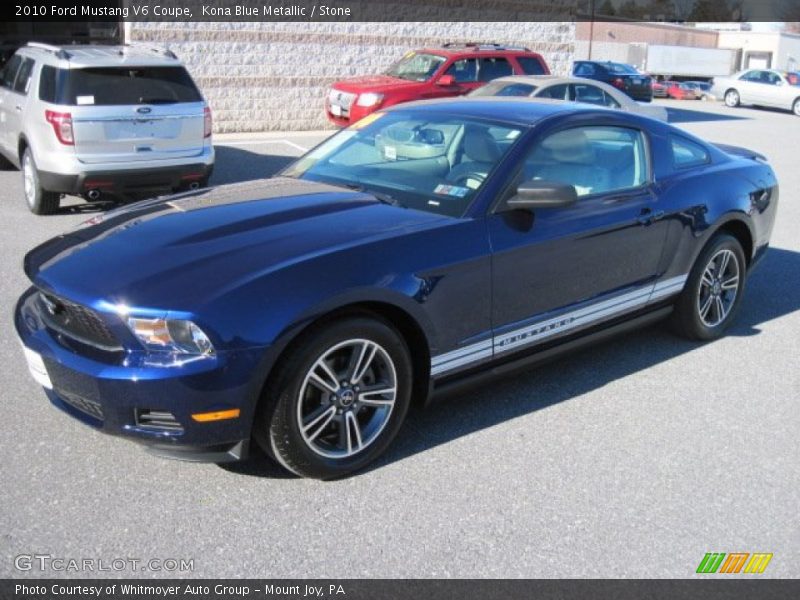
point(44, 202)
point(277, 430)
point(687, 313)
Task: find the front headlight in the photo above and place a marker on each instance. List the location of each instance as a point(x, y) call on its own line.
point(172, 337)
point(369, 99)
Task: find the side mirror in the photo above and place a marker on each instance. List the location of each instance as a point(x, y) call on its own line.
point(542, 194)
point(446, 80)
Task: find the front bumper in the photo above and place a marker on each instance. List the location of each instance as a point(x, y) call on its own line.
point(113, 397)
point(127, 180)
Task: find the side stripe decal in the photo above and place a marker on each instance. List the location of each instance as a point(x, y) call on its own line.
point(549, 327)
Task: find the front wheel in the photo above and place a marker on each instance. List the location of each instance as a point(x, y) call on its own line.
point(732, 98)
point(796, 107)
point(337, 399)
point(40, 201)
point(713, 292)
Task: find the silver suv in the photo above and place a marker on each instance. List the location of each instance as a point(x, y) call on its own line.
point(97, 120)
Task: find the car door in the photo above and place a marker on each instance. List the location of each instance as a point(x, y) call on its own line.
point(562, 269)
point(7, 106)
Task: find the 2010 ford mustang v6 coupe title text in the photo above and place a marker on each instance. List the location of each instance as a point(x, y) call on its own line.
point(425, 245)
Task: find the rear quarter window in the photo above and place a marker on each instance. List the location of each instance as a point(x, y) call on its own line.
point(686, 153)
point(47, 84)
point(108, 86)
point(530, 65)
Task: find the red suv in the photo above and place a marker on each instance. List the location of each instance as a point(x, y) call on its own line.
point(452, 70)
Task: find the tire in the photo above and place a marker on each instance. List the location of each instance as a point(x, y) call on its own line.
point(343, 427)
point(40, 202)
point(732, 98)
point(709, 302)
point(796, 107)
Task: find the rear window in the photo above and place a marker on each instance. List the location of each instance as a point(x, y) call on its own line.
point(686, 153)
point(109, 86)
point(530, 65)
point(621, 68)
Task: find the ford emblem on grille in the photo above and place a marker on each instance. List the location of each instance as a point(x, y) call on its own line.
point(144, 110)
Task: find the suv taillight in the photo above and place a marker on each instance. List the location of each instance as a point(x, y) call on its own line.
point(207, 122)
point(618, 83)
point(62, 126)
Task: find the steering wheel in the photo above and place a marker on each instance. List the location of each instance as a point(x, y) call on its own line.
point(464, 179)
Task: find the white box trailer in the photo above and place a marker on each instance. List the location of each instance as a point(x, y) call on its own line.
point(682, 61)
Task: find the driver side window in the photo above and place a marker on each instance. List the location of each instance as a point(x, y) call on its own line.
point(593, 159)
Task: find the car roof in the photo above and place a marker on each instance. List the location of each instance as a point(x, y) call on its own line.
point(509, 110)
point(86, 55)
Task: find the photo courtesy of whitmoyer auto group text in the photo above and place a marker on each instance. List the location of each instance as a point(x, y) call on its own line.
point(400, 299)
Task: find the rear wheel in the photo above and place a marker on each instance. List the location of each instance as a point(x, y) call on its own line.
point(713, 292)
point(337, 398)
point(796, 107)
point(732, 98)
point(40, 201)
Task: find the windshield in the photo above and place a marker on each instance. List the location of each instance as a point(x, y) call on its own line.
point(620, 68)
point(416, 66)
point(430, 162)
point(504, 88)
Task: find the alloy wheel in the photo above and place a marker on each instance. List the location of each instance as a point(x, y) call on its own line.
point(732, 98)
point(796, 107)
point(719, 286)
point(346, 398)
point(29, 179)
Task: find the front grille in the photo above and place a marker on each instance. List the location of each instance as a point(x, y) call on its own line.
point(77, 322)
point(90, 407)
point(157, 419)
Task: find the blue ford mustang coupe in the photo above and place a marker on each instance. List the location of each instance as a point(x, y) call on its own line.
point(424, 247)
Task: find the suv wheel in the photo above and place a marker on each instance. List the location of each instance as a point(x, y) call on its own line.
point(40, 202)
point(337, 398)
point(713, 292)
point(732, 98)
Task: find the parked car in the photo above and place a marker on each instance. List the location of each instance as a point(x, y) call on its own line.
point(659, 89)
point(571, 89)
point(637, 85)
point(428, 245)
point(678, 90)
point(759, 87)
point(97, 120)
point(702, 89)
point(452, 70)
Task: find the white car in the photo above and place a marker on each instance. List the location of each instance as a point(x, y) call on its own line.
point(102, 121)
point(759, 87)
point(571, 89)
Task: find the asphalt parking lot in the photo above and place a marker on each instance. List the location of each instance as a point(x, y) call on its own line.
point(631, 459)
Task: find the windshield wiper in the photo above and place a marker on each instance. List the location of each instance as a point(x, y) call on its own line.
point(380, 196)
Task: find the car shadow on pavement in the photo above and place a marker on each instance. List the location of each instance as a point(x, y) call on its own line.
point(233, 164)
point(773, 291)
point(686, 115)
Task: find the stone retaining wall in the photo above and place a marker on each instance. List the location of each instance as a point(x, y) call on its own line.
point(264, 76)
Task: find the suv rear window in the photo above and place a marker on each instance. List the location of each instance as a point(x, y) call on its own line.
point(108, 86)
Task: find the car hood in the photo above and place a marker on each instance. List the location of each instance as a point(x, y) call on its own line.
point(375, 83)
point(153, 253)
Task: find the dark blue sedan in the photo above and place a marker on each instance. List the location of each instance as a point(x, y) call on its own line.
point(423, 248)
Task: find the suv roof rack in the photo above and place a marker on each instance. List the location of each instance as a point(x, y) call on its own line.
point(59, 52)
point(485, 46)
point(151, 48)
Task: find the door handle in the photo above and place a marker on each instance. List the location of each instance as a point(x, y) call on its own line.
point(648, 216)
point(18, 107)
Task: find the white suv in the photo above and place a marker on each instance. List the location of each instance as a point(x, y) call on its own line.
point(95, 120)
